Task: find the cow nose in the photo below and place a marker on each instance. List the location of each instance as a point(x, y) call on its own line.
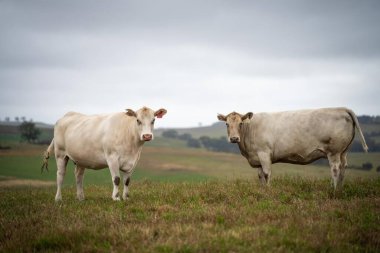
point(235, 139)
point(147, 137)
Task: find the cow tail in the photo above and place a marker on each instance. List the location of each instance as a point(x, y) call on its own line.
point(46, 156)
point(355, 119)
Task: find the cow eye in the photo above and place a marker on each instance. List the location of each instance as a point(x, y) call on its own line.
point(241, 124)
point(153, 121)
point(138, 122)
point(227, 124)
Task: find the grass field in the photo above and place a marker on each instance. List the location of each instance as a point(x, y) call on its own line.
point(293, 215)
point(188, 200)
point(173, 164)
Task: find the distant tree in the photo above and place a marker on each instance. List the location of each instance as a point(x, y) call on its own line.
point(356, 146)
point(373, 134)
point(193, 143)
point(321, 162)
point(7, 119)
point(206, 141)
point(170, 134)
point(29, 132)
point(365, 119)
point(219, 144)
point(373, 146)
point(185, 137)
point(23, 119)
point(17, 119)
point(367, 166)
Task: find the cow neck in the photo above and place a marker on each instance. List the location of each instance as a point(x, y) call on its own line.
point(245, 137)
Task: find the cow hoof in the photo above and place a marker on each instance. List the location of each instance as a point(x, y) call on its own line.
point(58, 199)
point(80, 196)
point(116, 198)
point(125, 198)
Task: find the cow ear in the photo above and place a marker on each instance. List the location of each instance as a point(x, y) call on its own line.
point(131, 113)
point(248, 115)
point(159, 113)
point(221, 117)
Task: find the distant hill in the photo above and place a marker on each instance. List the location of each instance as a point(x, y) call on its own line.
point(216, 130)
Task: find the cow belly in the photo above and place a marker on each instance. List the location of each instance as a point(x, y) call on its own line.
point(91, 165)
point(90, 162)
point(302, 158)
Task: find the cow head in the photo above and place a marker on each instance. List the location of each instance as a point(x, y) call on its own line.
point(144, 120)
point(234, 122)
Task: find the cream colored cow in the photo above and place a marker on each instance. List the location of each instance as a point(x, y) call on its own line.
point(298, 137)
point(98, 141)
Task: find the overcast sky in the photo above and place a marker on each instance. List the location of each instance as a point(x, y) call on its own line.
point(194, 58)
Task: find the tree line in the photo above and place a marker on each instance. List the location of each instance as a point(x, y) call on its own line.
point(16, 119)
point(366, 119)
point(373, 146)
point(213, 144)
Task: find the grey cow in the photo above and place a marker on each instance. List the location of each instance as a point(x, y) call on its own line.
point(297, 137)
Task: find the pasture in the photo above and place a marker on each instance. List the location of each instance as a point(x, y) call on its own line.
point(294, 215)
point(188, 200)
point(175, 164)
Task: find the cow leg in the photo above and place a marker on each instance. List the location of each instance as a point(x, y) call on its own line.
point(343, 166)
point(61, 171)
point(335, 164)
point(127, 172)
point(113, 165)
point(126, 181)
point(261, 175)
point(79, 172)
point(266, 163)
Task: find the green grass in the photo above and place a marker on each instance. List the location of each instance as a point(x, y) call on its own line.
point(293, 215)
point(6, 138)
point(190, 200)
point(28, 167)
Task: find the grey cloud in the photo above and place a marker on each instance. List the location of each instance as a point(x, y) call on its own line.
point(187, 54)
point(274, 28)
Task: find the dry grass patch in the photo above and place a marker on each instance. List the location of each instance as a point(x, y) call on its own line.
point(15, 182)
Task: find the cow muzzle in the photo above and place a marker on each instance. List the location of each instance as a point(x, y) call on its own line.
point(147, 137)
point(234, 139)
